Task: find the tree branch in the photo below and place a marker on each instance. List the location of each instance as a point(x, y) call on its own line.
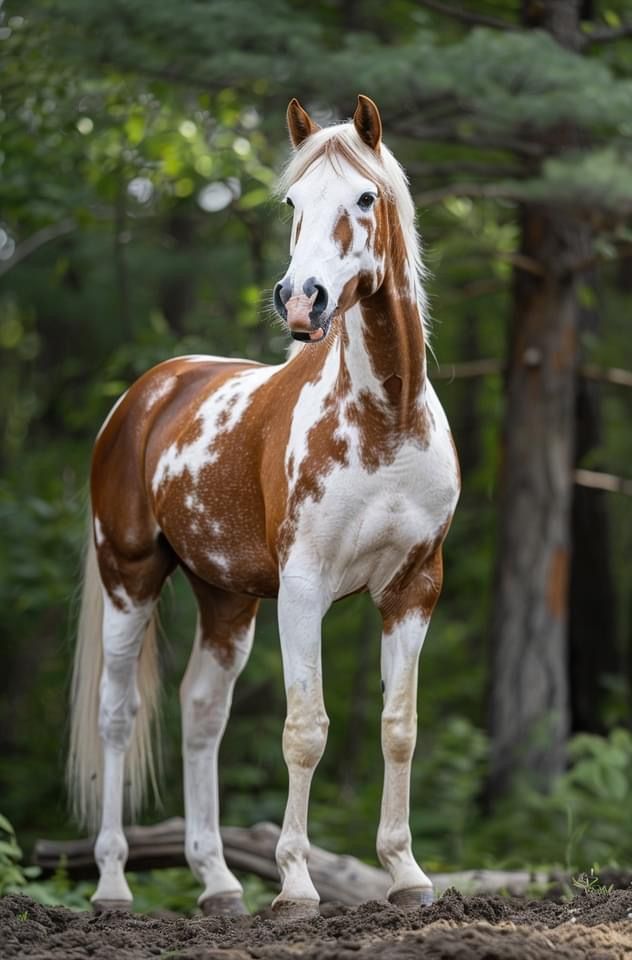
point(450, 167)
point(603, 481)
point(467, 16)
point(23, 250)
point(606, 34)
point(487, 366)
point(476, 191)
point(448, 134)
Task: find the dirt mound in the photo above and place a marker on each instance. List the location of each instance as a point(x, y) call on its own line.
point(592, 927)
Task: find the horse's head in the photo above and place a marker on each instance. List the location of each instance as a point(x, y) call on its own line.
point(340, 222)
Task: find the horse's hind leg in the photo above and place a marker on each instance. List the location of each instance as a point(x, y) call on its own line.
point(222, 645)
point(123, 632)
point(131, 588)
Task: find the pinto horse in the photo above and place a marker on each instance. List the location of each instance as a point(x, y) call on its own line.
point(329, 474)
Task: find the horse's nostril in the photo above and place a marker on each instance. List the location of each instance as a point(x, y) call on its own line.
point(282, 293)
point(309, 288)
point(320, 302)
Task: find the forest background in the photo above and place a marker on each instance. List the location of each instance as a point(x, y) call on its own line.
point(140, 144)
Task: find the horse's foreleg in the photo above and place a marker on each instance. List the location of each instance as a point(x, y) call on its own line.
point(222, 645)
point(124, 627)
point(406, 615)
point(304, 736)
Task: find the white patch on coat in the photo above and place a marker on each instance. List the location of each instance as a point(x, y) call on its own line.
point(208, 358)
point(219, 560)
point(99, 536)
point(219, 414)
point(161, 390)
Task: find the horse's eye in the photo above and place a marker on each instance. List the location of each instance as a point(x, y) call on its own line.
point(289, 202)
point(366, 201)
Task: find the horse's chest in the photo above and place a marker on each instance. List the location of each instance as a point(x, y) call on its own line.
point(364, 522)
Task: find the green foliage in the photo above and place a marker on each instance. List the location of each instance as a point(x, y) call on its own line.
point(13, 876)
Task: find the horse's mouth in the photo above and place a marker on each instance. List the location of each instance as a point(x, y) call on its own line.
point(312, 336)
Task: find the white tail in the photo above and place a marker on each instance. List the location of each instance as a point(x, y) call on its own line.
point(85, 759)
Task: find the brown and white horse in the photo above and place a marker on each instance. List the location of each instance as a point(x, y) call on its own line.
point(329, 474)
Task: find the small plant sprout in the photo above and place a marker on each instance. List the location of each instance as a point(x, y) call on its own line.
point(590, 883)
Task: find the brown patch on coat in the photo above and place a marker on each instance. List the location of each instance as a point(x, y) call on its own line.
point(223, 618)
point(343, 234)
point(416, 586)
point(298, 229)
point(557, 588)
point(393, 388)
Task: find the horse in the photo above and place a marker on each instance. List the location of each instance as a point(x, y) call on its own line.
point(329, 474)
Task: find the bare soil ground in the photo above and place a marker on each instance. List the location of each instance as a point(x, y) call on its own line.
point(592, 927)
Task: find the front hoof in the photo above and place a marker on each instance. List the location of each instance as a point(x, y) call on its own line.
point(411, 899)
point(103, 906)
point(295, 909)
point(223, 903)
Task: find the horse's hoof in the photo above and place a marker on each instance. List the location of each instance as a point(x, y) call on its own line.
point(224, 903)
point(411, 899)
point(295, 909)
point(102, 906)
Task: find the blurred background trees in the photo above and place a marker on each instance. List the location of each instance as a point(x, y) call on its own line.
point(139, 149)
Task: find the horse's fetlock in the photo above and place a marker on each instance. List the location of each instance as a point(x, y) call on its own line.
point(392, 843)
point(111, 846)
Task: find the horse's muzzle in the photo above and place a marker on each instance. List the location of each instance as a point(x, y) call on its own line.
point(303, 313)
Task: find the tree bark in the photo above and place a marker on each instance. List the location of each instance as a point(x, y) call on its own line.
point(529, 685)
point(529, 706)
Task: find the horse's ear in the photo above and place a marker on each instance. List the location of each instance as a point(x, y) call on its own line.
point(299, 123)
point(367, 122)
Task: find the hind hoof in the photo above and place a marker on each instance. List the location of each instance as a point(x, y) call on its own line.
point(102, 906)
point(411, 899)
point(295, 909)
point(224, 903)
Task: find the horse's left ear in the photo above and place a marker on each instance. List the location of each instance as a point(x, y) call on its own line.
point(299, 123)
point(367, 122)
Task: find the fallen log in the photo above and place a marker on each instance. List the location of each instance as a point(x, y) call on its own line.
point(339, 878)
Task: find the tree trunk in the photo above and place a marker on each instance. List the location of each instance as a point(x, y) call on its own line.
point(529, 683)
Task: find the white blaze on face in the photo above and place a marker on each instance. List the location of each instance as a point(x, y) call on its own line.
point(327, 192)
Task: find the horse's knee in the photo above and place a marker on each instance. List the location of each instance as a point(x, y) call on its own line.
point(399, 735)
point(305, 737)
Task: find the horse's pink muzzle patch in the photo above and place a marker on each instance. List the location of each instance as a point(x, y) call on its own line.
point(298, 317)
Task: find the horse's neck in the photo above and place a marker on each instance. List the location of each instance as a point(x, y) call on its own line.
point(382, 348)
